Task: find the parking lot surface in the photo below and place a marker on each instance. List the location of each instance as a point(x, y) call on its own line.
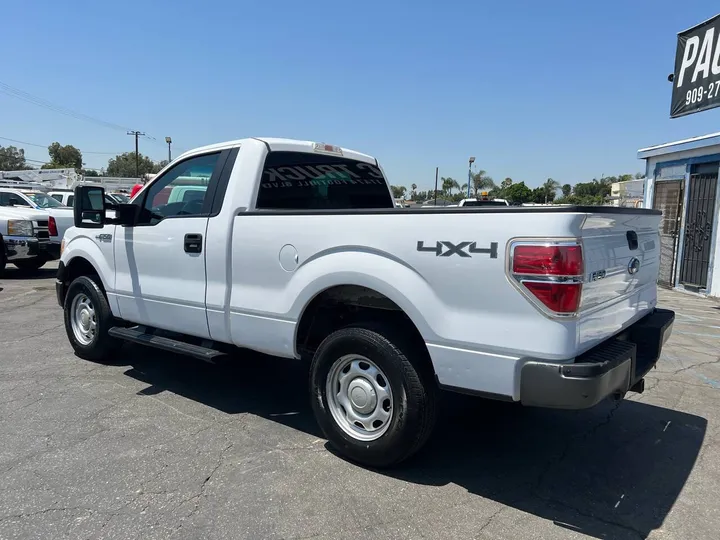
point(155, 445)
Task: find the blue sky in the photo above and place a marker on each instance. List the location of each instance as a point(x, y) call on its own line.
point(562, 88)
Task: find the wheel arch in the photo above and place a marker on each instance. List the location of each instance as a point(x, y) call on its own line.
point(346, 304)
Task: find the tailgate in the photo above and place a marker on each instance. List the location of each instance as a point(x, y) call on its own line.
point(622, 257)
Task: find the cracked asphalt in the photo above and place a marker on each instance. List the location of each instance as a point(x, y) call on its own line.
point(160, 446)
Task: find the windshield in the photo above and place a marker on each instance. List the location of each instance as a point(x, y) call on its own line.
point(43, 201)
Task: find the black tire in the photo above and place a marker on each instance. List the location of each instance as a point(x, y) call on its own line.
point(101, 345)
point(413, 395)
point(30, 265)
point(3, 261)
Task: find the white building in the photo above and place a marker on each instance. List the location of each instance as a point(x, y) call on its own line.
point(629, 194)
point(682, 181)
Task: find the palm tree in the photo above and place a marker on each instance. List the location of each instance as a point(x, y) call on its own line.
point(550, 187)
point(480, 180)
point(448, 184)
point(414, 190)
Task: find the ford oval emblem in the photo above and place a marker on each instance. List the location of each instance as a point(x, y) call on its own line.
point(634, 266)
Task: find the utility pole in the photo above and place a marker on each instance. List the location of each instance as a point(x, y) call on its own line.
point(470, 162)
point(168, 140)
point(137, 154)
point(436, 179)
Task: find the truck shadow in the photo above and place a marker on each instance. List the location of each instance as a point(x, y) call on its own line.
point(12, 273)
point(613, 471)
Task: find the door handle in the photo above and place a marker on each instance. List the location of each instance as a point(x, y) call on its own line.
point(632, 239)
point(193, 243)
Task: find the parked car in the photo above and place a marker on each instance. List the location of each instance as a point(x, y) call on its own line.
point(296, 250)
point(67, 198)
point(60, 217)
point(24, 238)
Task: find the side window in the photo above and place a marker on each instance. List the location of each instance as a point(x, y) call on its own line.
point(166, 196)
point(71, 200)
point(312, 181)
point(17, 200)
point(57, 197)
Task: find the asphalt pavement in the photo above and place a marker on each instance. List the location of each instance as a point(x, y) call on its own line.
point(156, 445)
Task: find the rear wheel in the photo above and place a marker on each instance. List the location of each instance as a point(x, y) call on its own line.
point(3, 261)
point(88, 319)
point(371, 401)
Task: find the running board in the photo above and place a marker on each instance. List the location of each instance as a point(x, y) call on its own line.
point(139, 335)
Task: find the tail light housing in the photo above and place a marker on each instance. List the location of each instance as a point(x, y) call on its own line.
point(52, 227)
point(549, 274)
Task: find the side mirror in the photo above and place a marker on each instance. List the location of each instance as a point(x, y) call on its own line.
point(89, 209)
point(126, 214)
point(14, 201)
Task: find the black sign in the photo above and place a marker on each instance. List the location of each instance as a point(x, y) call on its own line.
point(696, 80)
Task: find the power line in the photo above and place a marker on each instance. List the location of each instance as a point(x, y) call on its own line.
point(40, 102)
point(46, 145)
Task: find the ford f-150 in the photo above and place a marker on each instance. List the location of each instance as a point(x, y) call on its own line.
point(296, 249)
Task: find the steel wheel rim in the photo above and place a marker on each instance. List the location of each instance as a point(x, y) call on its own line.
point(359, 397)
point(83, 320)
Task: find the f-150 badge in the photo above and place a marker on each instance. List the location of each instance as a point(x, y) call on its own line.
point(462, 249)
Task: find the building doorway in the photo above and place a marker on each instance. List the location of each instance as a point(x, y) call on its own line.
point(698, 236)
point(668, 199)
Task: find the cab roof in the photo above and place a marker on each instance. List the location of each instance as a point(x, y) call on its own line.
point(278, 144)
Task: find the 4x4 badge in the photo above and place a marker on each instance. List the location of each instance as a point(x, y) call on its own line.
point(446, 249)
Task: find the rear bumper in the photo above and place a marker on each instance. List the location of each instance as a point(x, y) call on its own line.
point(612, 367)
point(52, 251)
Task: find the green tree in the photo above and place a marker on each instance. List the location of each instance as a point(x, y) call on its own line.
point(448, 184)
point(89, 172)
point(413, 191)
point(539, 195)
point(12, 159)
point(566, 190)
point(639, 176)
point(506, 183)
point(481, 181)
point(398, 191)
point(160, 165)
point(63, 157)
point(123, 165)
point(518, 193)
point(550, 187)
point(593, 192)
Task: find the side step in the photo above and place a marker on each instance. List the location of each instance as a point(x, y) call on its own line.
point(142, 336)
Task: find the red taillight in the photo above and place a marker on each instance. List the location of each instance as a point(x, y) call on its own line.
point(551, 274)
point(559, 297)
point(548, 260)
point(52, 227)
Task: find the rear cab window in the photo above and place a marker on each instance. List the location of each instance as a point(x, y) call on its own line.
point(308, 181)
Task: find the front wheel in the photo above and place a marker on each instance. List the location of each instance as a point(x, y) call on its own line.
point(88, 319)
point(371, 401)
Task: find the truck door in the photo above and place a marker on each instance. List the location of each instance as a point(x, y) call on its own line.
point(161, 278)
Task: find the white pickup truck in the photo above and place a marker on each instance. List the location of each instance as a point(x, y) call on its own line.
point(296, 249)
point(24, 238)
point(58, 216)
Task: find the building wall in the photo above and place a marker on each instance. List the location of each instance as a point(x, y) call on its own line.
point(676, 166)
